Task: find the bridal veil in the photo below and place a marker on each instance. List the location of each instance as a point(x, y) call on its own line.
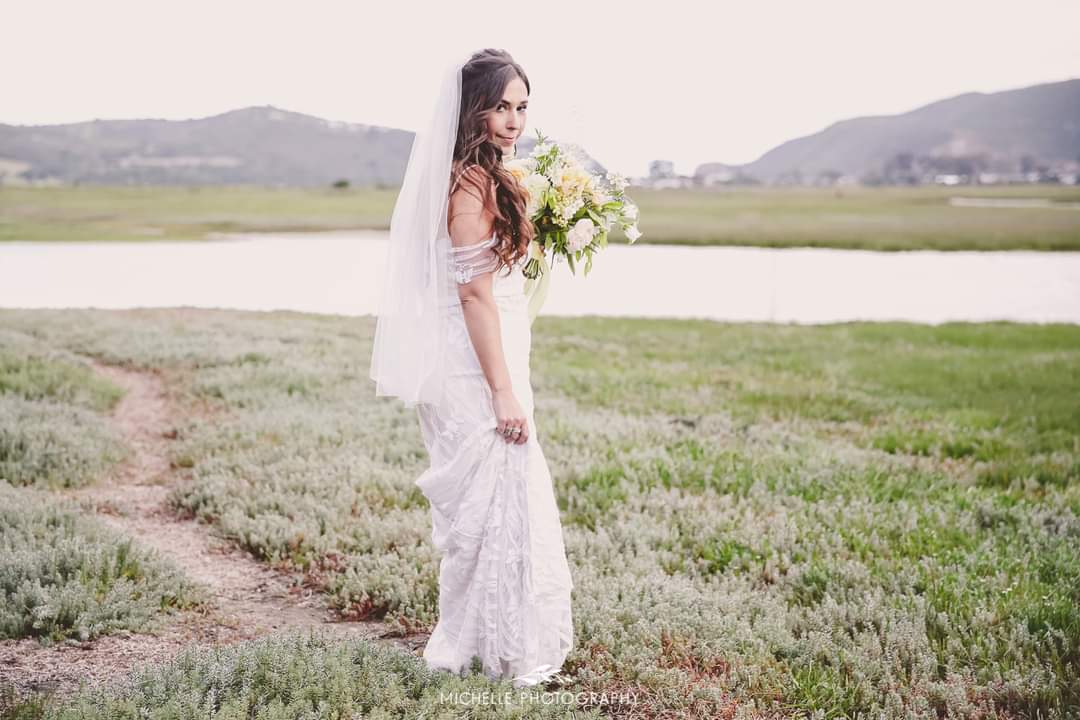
point(409, 355)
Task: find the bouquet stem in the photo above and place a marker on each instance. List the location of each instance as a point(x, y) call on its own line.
point(532, 269)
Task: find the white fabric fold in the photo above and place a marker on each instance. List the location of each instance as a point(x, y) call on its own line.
point(504, 580)
point(481, 494)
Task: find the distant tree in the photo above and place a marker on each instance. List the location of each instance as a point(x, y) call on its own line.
point(827, 177)
point(341, 184)
point(899, 170)
point(873, 179)
point(791, 177)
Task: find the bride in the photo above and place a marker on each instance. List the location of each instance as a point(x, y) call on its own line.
point(453, 340)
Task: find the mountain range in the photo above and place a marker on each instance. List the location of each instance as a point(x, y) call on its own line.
point(1009, 131)
point(1013, 131)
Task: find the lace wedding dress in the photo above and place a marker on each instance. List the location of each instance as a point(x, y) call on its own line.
point(504, 580)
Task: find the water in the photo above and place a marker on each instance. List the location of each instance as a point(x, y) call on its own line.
point(340, 272)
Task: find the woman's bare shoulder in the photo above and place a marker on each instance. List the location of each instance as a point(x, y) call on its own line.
point(474, 177)
point(470, 217)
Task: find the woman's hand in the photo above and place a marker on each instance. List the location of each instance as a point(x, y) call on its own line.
point(509, 415)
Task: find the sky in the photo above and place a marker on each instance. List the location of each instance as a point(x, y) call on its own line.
point(683, 81)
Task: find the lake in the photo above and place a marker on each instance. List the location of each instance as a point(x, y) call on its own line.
point(340, 272)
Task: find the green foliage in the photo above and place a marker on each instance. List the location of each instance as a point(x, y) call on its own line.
point(857, 218)
point(63, 575)
point(888, 219)
point(52, 432)
point(855, 520)
point(150, 213)
point(305, 674)
point(33, 372)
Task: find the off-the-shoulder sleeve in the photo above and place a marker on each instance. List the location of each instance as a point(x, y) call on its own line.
point(468, 261)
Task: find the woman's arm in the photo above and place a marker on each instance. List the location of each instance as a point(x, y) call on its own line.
point(471, 223)
point(482, 320)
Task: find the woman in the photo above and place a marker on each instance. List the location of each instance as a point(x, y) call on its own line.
point(453, 340)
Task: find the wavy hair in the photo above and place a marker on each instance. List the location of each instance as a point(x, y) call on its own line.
point(483, 81)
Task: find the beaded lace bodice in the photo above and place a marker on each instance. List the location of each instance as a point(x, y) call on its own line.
point(468, 261)
point(471, 260)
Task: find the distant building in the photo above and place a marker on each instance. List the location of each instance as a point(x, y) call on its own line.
point(662, 176)
point(661, 169)
point(680, 181)
point(718, 177)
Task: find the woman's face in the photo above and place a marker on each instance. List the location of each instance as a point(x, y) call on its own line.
point(507, 121)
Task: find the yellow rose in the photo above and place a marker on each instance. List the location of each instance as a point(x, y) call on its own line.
point(570, 181)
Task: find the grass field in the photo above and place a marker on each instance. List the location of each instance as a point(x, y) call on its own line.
point(861, 218)
point(851, 520)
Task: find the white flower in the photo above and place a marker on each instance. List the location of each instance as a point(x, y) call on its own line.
point(573, 154)
point(632, 233)
point(569, 210)
point(630, 211)
point(580, 235)
point(536, 185)
point(554, 173)
point(617, 181)
point(599, 194)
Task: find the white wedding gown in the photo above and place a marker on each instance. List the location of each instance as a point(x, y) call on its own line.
point(504, 580)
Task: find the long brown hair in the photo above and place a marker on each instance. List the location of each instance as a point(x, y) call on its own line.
point(483, 81)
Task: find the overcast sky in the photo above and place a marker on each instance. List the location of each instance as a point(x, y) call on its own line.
point(686, 81)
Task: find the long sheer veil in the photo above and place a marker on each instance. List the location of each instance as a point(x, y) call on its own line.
point(408, 359)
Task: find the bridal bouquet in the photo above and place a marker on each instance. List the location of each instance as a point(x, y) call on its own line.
point(572, 209)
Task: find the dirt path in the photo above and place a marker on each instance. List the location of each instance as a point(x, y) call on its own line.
point(249, 598)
